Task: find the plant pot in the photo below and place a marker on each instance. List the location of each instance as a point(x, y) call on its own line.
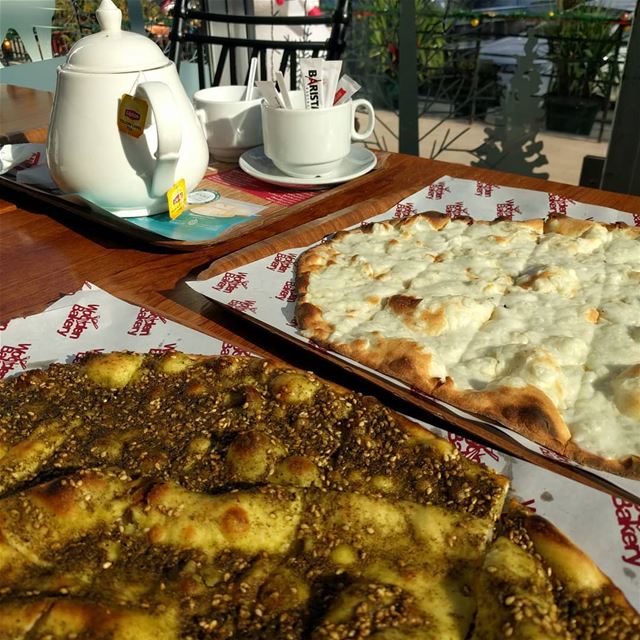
point(570, 114)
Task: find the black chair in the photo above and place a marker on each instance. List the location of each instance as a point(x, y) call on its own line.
point(192, 23)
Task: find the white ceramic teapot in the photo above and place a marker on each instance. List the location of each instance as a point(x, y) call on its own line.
point(87, 153)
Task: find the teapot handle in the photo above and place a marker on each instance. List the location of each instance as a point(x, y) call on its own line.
point(169, 127)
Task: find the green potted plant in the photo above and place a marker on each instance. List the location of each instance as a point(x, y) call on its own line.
point(383, 48)
point(581, 43)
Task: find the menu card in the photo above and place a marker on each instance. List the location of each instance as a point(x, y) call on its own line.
point(264, 289)
point(605, 527)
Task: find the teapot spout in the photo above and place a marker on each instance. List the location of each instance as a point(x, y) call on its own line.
point(109, 16)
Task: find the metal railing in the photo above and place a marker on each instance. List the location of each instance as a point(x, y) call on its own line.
point(461, 62)
point(465, 61)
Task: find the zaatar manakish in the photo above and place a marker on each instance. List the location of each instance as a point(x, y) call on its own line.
point(188, 497)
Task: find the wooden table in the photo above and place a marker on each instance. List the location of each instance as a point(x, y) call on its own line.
point(24, 114)
point(46, 252)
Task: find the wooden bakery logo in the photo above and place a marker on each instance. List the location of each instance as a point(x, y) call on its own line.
point(230, 281)
point(628, 516)
point(11, 357)
point(287, 293)
point(79, 319)
point(552, 454)
point(144, 322)
point(530, 504)
point(559, 204)
point(31, 161)
point(244, 305)
point(282, 262)
point(507, 209)
point(167, 348)
point(484, 189)
point(404, 210)
point(437, 190)
point(456, 210)
point(472, 450)
point(229, 349)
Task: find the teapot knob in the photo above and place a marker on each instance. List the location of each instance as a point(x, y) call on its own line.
point(109, 16)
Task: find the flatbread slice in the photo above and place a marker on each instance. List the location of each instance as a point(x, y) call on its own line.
point(531, 324)
point(225, 555)
point(535, 583)
point(174, 496)
point(215, 423)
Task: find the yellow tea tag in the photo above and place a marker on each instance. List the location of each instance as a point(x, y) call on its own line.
point(132, 115)
point(177, 198)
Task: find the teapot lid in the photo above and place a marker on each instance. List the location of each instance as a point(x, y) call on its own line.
point(112, 50)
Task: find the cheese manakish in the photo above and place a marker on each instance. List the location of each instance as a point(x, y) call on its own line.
point(534, 324)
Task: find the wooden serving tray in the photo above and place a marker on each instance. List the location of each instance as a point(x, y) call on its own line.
point(274, 217)
point(418, 405)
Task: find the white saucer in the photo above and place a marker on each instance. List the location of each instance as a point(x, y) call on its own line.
point(357, 163)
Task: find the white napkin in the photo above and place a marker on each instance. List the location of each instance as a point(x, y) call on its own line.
point(29, 164)
point(22, 156)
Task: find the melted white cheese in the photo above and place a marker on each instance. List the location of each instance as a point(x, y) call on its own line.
point(502, 304)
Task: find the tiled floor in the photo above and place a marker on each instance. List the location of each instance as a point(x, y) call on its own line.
point(564, 152)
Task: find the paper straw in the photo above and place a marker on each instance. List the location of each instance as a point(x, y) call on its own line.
point(284, 91)
point(252, 77)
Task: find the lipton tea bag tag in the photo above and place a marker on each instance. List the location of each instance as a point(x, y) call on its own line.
point(132, 115)
point(177, 198)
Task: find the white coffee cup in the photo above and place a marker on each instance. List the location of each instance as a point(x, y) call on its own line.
point(232, 125)
point(306, 143)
